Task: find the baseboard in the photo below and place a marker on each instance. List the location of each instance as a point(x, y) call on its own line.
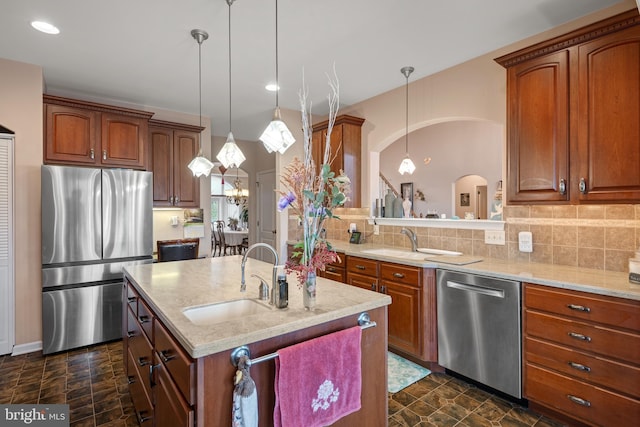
point(26, 348)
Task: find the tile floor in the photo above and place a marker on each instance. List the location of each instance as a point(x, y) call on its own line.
point(92, 382)
point(444, 401)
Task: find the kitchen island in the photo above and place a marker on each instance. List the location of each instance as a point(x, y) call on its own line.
point(180, 369)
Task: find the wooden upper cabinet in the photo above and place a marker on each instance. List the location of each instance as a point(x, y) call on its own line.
point(90, 134)
point(173, 146)
point(538, 117)
point(574, 116)
point(345, 151)
point(608, 137)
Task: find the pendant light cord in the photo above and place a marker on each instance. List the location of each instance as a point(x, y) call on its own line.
point(229, 2)
point(277, 80)
point(406, 133)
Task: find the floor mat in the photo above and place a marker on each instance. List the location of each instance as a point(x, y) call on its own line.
point(402, 373)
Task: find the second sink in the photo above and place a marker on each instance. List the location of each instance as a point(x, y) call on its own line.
point(224, 311)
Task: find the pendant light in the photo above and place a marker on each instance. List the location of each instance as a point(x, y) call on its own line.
point(200, 165)
point(407, 165)
point(230, 154)
point(277, 137)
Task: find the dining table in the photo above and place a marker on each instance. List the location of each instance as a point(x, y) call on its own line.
point(233, 238)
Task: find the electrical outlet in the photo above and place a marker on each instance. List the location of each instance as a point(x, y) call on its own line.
point(376, 229)
point(494, 237)
point(525, 241)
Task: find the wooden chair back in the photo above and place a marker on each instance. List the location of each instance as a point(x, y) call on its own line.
point(175, 250)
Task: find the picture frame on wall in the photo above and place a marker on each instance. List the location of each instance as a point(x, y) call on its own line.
point(465, 199)
point(406, 191)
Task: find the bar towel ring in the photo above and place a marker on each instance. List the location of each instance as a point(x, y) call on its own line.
point(364, 320)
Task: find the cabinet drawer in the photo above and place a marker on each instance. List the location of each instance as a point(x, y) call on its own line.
point(180, 366)
point(132, 299)
point(140, 349)
point(599, 406)
point(618, 376)
point(581, 305)
point(364, 266)
point(171, 408)
point(334, 273)
point(145, 318)
point(400, 274)
point(590, 337)
point(141, 399)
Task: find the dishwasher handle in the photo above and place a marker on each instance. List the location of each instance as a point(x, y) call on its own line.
point(498, 293)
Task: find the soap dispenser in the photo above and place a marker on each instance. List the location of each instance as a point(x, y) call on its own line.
point(283, 291)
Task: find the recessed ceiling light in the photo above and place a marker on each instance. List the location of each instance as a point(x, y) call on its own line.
point(272, 87)
point(45, 27)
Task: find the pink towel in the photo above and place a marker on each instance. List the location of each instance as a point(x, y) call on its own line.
point(318, 381)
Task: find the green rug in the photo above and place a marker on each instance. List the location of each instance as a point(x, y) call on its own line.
point(402, 373)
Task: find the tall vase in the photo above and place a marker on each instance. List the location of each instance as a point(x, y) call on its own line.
point(309, 291)
point(388, 204)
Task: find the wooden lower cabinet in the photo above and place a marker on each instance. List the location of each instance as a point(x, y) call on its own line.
point(187, 392)
point(412, 313)
point(581, 356)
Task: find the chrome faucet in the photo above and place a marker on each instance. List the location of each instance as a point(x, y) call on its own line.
point(274, 280)
point(412, 236)
point(263, 289)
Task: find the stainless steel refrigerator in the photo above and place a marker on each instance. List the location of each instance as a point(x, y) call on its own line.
point(94, 222)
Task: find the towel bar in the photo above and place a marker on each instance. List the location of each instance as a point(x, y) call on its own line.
point(364, 321)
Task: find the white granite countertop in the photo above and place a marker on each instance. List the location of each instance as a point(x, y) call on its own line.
point(580, 279)
point(170, 287)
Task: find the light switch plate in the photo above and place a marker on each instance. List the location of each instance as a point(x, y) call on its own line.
point(494, 237)
point(525, 241)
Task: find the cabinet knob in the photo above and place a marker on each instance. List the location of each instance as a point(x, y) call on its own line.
point(579, 308)
point(92, 154)
point(563, 186)
point(578, 400)
point(583, 186)
point(579, 336)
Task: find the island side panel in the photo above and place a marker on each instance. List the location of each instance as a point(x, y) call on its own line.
point(215, 375)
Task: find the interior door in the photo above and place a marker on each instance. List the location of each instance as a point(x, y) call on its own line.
point(266, 202)
point(7, 287)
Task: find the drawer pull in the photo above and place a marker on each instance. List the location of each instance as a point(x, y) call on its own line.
point(152, 383)
point(579, 401)
point(398, 275)
point(92, 154)
point(131, 334)
point(131, 379)
point(383, 289)
point(132, 299)
point(142, 418)
point(579, 367)
point(142, 361)
point(360, 267)
point(144, 319)
point(166, 356)
point(579, 308)
point(579, 336)
point(104, 154)
point(331, 269)
point(373, 286)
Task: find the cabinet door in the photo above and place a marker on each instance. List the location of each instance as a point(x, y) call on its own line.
point(123, 141)
point(404, 316)
point(70, 135)
point(186, 186)
point(170, 408)
point(162, 165)
point(538, 116)
point(609, 118)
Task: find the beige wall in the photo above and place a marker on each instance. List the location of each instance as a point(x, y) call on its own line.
point(21, 111)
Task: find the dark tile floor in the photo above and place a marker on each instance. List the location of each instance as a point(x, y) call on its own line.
point(442, 400)
point(92, 382)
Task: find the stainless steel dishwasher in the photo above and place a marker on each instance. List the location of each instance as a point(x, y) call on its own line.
point(479, 329)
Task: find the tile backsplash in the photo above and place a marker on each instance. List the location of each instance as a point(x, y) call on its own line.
point(603, 237)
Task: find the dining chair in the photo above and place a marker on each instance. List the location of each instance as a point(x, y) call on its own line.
point(176, 250)
point(223, 243)
point(215, 241)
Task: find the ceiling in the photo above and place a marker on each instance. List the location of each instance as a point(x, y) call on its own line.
point(141, 52)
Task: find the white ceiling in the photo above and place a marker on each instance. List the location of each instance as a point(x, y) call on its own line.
point(141, 51)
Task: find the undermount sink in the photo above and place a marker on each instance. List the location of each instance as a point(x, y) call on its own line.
point(395, 253)
point(224, 311)
point(438, 252)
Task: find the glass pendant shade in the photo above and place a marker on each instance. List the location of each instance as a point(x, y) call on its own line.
point(230, 155)
point(200, 166)
point(277, 136)
point(406, 166)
